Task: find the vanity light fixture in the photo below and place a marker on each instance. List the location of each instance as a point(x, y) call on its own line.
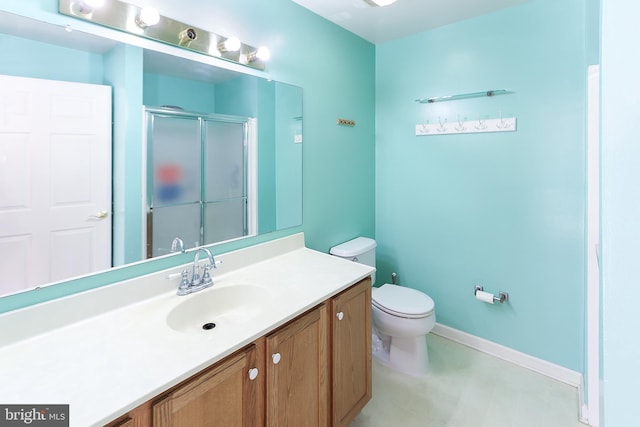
point(380, 3)
point(148, 17)
point(147, 22)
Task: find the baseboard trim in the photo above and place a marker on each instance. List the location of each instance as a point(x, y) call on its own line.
point(583, 408)
point(557, 372)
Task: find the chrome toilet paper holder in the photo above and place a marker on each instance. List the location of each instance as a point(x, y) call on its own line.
point(502, 296)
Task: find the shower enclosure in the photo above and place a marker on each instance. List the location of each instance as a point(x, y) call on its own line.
point(198, 178)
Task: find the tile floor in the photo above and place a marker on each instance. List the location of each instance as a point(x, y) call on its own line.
point(467, 388)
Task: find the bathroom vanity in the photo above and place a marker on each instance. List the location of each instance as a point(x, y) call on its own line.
point(312, 371)
point(291, 345)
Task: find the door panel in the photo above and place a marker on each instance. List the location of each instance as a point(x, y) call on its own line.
point(169, 222)
point(351, 332)
point(224, 396)
point(225, 150)
point(175, 160)
point(225, 220)
point(55, 180)
point(297, 374)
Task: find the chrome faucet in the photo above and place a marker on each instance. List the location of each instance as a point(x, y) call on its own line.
point(177, 244)
point(197, 283)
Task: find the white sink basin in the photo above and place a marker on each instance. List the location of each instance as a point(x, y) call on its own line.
point(216, 308)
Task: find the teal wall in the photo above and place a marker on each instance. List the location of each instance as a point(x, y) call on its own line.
point(592, 30)
point(122, 71)
point(504, 210)
point(267, 155)
point(620, 228)
point(239, 96)
point(189, 94)
point(77, 66)
point(338, 81)
point(288, 194)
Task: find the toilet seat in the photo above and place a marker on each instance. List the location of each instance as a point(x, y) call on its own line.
point(402, 302)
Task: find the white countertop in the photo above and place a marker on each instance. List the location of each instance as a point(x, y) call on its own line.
point(106, 351)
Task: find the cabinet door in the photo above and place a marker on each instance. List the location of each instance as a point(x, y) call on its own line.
point(351, 355)
point(297, 372)
point(138, 417)
point(127, 422)
point(224, 396)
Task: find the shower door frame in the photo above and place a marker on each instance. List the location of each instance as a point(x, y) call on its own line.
point(249, 164)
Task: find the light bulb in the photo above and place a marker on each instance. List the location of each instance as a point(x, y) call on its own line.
point(263, 54)
point(232, 44)
point(148, 16)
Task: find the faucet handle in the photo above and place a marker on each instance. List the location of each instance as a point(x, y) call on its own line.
point(183, 289)
point(206, 275)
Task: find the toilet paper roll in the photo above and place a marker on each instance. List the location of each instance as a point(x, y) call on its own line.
point(484, 296)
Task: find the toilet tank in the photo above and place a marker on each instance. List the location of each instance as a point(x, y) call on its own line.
point(360, 249)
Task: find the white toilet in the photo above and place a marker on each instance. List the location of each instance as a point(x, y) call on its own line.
point(402, 317)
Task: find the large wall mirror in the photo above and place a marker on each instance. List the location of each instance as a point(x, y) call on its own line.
point(153, 100)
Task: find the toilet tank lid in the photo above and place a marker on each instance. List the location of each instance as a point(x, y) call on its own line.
point(354, 247)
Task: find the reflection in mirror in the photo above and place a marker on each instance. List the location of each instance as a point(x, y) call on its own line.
point(198, 184)
point(271, 120)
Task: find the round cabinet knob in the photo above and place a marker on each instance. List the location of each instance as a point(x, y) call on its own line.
point(276, 358)
point(253, 373)
point(340, 315)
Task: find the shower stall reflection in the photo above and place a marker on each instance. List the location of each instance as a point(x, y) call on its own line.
point(198, 178)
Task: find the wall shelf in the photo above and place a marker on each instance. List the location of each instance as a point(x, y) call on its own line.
point(489, 93)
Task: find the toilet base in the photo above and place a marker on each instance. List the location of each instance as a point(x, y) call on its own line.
point(408, 355)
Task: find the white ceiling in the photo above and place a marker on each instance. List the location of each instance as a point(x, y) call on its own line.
point(403, 18)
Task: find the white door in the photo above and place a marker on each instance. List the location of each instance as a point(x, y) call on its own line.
point(55, 181)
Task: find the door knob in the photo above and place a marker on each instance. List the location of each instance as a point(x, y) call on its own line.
point(340, 315)
point(253, 373)
point(276, 358)
point(99, 215)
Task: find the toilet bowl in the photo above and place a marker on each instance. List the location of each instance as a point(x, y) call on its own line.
point(402, 316)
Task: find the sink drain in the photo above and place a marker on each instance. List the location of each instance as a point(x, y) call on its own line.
point(208, 326)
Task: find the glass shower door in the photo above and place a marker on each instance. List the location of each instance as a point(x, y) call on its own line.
point(175, 177)
point(225, 180)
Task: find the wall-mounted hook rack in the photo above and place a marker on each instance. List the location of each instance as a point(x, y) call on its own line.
point(442, 126)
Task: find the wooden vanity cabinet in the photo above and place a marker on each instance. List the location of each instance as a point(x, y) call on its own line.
point(351, 352)
point(298, 372)
point(228, 395)
point(315, 371)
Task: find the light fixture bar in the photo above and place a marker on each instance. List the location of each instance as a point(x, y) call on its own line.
point(143, 22)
